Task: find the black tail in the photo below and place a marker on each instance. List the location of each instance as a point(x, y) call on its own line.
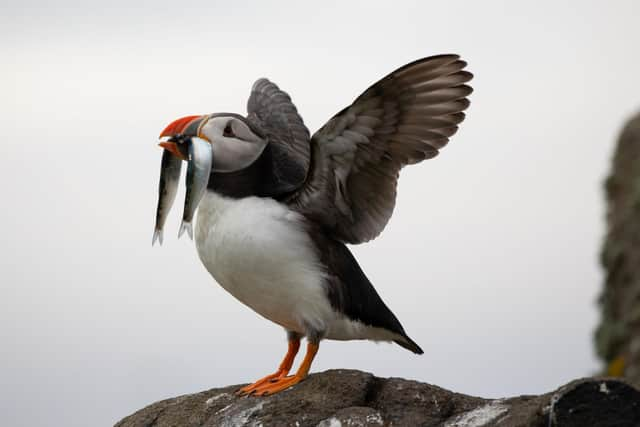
point(410, 345)
point(351, 293)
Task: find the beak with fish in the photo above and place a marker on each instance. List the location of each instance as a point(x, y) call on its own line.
point(199, 155)
point(221, 143)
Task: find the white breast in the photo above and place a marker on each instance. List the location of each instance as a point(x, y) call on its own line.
point(257, 249)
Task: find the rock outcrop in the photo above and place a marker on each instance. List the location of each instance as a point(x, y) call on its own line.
point(618, 335)
point(352, 398)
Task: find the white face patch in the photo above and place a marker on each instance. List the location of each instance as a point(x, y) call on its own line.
point(235, 146)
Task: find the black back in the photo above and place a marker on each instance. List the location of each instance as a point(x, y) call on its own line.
point(351, 293)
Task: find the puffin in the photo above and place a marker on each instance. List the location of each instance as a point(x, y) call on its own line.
point(281, 205)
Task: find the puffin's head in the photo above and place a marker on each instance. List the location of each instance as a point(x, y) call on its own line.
point(234, 142)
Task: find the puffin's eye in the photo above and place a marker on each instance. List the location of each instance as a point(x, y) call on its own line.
point(228, 131)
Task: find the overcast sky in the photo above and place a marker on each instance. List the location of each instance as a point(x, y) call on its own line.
point(491, 258)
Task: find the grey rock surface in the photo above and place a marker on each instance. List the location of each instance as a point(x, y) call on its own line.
point(352, 398)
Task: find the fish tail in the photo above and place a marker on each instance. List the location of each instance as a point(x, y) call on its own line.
point(186, 226)
point(157, 235)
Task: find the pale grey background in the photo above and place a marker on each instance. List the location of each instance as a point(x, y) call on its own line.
point(490, 260)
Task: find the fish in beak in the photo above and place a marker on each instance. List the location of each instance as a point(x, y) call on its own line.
point(167, 190)
point(198, 172)
point(182, 144)
point(178, 132)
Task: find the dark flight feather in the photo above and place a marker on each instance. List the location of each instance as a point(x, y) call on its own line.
point(271, 111)
point(356, 157)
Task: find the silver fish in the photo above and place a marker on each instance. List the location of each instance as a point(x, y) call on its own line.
point(198, 171)
point(169, 177)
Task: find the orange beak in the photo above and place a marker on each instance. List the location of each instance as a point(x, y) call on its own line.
point(172, 147)
point(179, 126)
point(187, 126)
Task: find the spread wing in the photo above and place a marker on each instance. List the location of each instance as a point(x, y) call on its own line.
point(357, 155)
point(271, 111)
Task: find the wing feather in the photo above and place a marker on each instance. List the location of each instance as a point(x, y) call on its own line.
point(272, 112)
point(357, 155)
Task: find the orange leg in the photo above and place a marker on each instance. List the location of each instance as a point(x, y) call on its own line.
point(283, 370)
point(283, 383)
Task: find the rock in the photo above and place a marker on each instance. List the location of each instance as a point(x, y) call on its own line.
point(618, 335)
point(347, 398)
point(609, 402)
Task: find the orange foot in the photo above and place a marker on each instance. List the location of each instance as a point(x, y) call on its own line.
point(278, 385)
point(282, 371)
point(262, 381)
point(273, 384)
